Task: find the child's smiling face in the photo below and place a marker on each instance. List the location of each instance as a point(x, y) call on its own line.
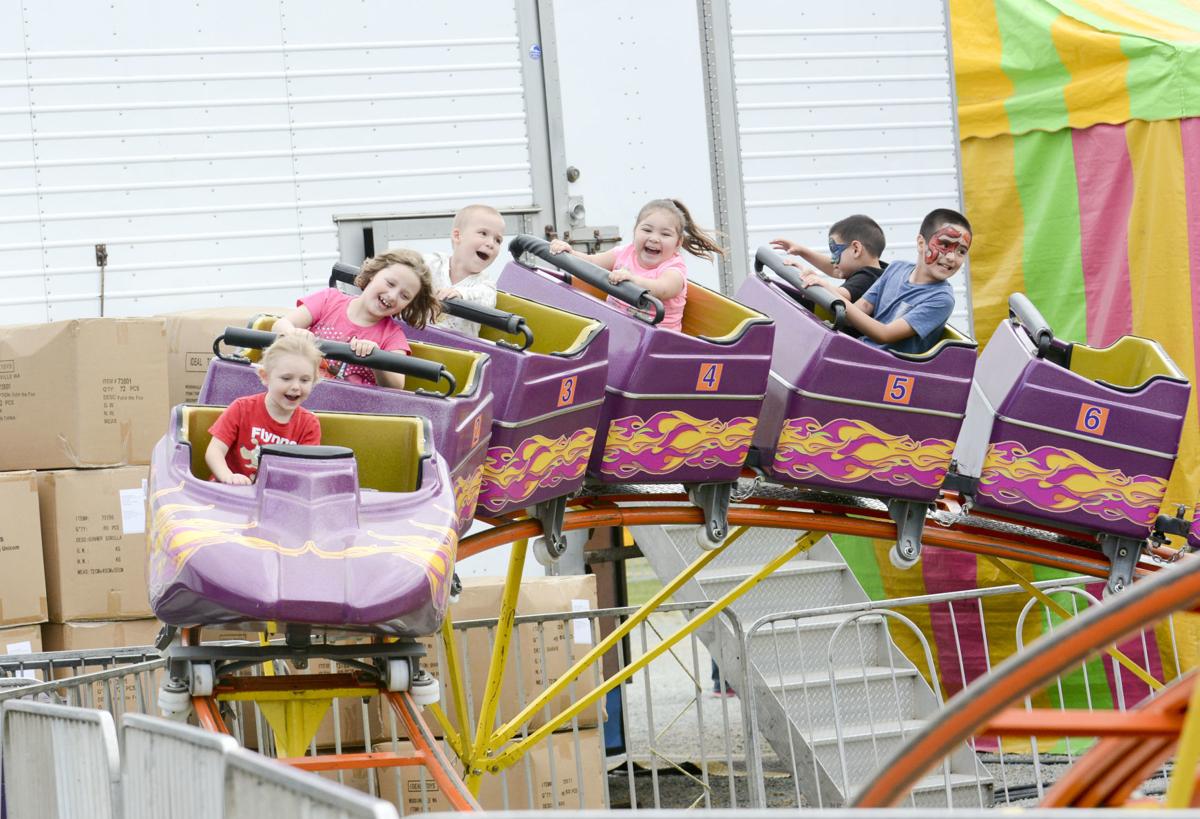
point(477, 243)
point(289, 381)
point(390, 291)
point(656, 238)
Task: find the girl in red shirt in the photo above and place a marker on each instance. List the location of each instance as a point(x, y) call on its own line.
point(289, 369)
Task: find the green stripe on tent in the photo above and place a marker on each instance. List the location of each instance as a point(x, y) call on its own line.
point(1031, 62)
point(1046, 184)
point(859, 554)
point(1074, 691)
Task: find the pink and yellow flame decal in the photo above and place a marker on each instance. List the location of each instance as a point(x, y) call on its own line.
point(466, 494)
point(672, 439)
point(848, 451)
point(510, 475)
point(1061, 480)
point(180, 531)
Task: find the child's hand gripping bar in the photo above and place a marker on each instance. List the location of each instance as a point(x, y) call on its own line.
point(628, 292)
point(340, 351)
point(834, 305)
point(1022, 309)
point(511, 323)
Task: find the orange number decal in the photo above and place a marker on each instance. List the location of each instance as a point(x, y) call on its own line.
point(899, 389)
point(1092, 419)
point(709, 379)
point(476, 429)
point(566, 391)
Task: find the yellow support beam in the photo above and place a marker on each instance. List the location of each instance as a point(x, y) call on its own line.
point(513, 752)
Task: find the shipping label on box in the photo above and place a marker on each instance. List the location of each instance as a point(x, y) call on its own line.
point(22, 571)
point(94, 543)
point(82, 393)
point(20, 640)
point(190, 336)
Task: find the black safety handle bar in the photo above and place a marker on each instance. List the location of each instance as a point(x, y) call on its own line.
point(510, 323)
point(834, 305)
point(1034, 323)
point(596, 276)
point(341, 351)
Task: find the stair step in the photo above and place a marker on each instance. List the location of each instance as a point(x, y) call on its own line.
point(967, 790)
point(800, 585)
point(864, 695)
point(796, 646)
point(867, 748)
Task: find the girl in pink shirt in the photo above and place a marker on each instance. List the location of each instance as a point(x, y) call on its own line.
point(653, 261)
point(396, 283)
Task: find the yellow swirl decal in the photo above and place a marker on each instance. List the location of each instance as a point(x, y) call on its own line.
point(672, 439)
point(848, 450)
point(466, 494)
point(1062, 480)
point(512, 475)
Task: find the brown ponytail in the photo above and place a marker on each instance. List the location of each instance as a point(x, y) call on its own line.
point(692, 237)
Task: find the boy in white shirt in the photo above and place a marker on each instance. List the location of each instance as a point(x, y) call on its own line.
point(475, 241)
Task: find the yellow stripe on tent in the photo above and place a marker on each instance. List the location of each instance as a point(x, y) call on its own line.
point(981, 86)
point(1130, 18)
point(1097, 91)
point(1158, 251)
point(994, 208)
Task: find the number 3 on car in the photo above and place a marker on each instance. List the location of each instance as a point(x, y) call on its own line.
point(566, 391)
point(1092, 419)
point(709, 379)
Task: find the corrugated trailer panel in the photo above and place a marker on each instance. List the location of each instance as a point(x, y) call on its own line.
point(210, 157)
point(845, 108)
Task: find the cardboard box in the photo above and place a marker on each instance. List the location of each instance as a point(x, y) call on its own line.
point(526, 673)
point(190, 336)
point(94, 543)
point(114, 634)
point(22, 571)
point(20, 640)
point(559, 785)
point(356, 778)
point(82, 393)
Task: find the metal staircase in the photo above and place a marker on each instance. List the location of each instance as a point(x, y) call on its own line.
point(848, 702)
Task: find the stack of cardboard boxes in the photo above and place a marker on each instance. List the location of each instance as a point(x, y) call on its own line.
point(81, 402)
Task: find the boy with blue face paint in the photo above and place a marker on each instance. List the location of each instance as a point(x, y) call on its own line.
point(855, 245)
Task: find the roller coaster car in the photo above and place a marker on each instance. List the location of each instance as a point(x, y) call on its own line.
point(845, 415)
point(358, 533)
point(680, 407)
point(1074, 436)
point(548, 370)
point(460, 415)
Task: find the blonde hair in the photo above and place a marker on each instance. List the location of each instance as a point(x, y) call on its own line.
point(424, 305)
point(303, 346)
point(466, 214)
point(693, 238)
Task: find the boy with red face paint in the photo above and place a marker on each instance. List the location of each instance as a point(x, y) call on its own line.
point(906, 309)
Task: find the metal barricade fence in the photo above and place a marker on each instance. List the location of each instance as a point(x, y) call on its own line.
point(866, 679)
point(116, 680)
point(171, 770)
point(673, 746)
point(60, 762)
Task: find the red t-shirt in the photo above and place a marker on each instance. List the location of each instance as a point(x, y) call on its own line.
point(246, 425)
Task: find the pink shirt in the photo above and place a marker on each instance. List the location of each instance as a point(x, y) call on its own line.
point(673, 307)
point(328, 309)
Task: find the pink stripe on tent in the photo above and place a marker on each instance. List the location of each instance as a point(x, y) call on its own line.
point(946, 570)
point(1190, 134)
point(1105, 179)
point(1143, 653)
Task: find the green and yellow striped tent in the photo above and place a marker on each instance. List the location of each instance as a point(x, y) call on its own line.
point(1080, 134)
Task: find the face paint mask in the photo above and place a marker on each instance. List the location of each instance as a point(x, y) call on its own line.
point(944, 240)
point(836, 250)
